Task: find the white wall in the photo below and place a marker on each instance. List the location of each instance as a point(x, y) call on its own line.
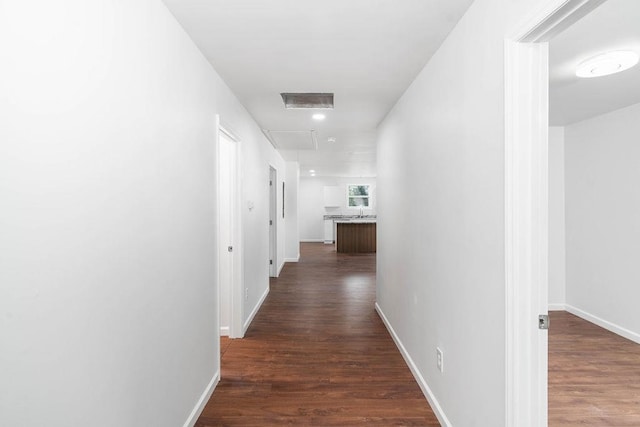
point(441, 228)
point(312, 209)
point(292, 249)
point(603, 218)
point(557, 262)
point(107, 226)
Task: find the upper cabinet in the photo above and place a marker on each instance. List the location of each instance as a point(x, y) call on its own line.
point(333, 196)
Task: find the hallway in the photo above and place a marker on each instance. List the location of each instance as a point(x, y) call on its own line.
point(317, 354)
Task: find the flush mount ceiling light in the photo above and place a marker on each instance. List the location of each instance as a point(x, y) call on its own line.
point(607, 63)
point(331, 139)
point(318, 116)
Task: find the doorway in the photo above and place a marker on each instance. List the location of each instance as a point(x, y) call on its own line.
point(526, 207)
point(229, 235)
point(273, 222)
point(594, 341)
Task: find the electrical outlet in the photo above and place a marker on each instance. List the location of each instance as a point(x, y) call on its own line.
point(246, 294)
point(439, 359)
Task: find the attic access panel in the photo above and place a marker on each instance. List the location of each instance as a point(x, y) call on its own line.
point(307, 100)
point(292, 139)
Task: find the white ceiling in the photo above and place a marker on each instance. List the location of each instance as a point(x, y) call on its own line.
point(615, 25)
point(367, 52)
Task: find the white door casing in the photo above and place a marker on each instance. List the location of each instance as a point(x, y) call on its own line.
point(273, 222)
point(526, 206)
point(229, 225)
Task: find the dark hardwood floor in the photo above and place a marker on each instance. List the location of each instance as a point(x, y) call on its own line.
point(317, 354)
point(594, 375)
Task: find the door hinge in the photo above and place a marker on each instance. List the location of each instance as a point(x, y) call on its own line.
point(543, 321)
point(229, 248)
point(270, 182)
point(270, 262)
point(270, 222)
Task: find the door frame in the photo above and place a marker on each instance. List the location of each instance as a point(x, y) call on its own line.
point(526, 206)
point(273, 221)
point(236, 309)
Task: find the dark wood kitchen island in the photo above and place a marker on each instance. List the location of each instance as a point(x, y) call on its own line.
point(356, 236)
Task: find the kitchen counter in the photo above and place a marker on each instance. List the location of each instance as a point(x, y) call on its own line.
point(331, 222)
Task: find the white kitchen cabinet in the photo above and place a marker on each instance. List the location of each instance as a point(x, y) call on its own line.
point(334, 196)
point(328, 231)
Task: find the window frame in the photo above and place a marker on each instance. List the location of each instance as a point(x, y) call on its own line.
point(369, 197)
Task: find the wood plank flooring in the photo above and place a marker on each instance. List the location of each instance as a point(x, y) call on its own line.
point(317, 354)
point(594, 375)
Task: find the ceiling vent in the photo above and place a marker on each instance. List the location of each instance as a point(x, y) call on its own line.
point(307, 100)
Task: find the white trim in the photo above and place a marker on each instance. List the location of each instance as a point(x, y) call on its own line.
point(311, 240)
point(216, 261)
point(526, 233)
point(296, 259)
point(224, 331)
point(560, 306)
point(255, 310)
point(280, 267)
point(274, 269)
point(237, 291)
point(526, 202)
point(431, 398)
point(552, 18)
point(610, 326)
point(204, 398)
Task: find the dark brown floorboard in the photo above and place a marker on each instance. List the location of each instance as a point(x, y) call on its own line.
point(317, 354)
point(594, 375)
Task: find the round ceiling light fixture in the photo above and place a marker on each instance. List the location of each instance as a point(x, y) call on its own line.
point(331, 139)
point(607, 63)
point(318, 116)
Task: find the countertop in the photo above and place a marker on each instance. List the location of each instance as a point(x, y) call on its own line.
point(350, 218)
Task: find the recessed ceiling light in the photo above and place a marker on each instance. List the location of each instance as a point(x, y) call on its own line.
point(607, 63)
point(312, 171)
point(313, 174)
point(318, 116)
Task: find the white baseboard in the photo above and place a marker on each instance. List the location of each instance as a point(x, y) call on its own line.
point(204, 398)
point(296, 259)
point(224, 331)
point(311, 240)
point(616, 329)
point(558, 306)
point(255, 311)
point(437, 409)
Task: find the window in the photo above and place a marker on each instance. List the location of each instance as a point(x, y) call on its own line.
point(358, 196)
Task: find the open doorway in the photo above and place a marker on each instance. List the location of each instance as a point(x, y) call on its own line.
point(527, 210)
point(594, 221)
point(526, 207)
point(229, 235)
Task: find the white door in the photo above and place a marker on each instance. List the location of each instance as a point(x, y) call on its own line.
point(227, 215)
point(273, 216)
